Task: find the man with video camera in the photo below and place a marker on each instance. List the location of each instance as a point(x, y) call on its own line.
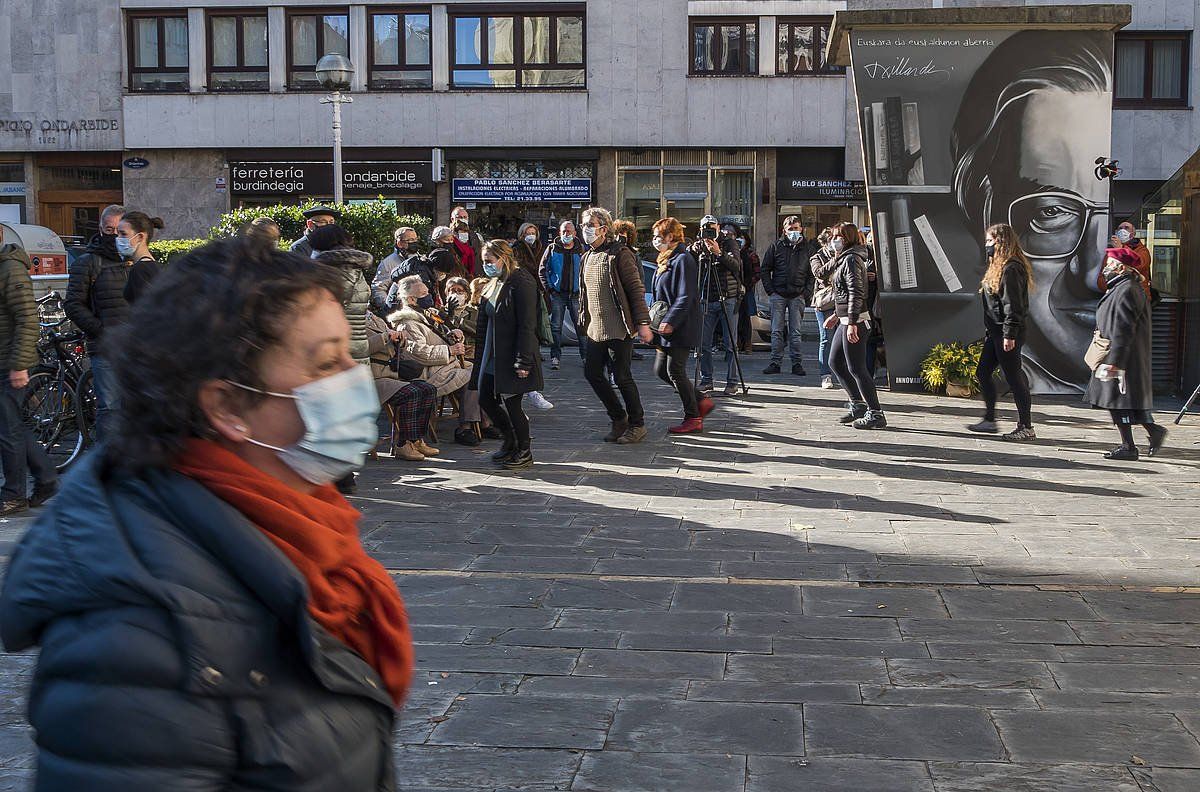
point(721, 288)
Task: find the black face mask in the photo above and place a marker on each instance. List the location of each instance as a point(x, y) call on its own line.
point(426, 302)
point(989, 251)
point(402, 250)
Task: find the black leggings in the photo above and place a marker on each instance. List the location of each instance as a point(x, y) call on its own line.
point(670, 364)
point(507, 415)
point(849, 362)
point(994, 356)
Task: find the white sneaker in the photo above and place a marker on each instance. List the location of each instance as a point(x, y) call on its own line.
point(554, 364)
point(539, 401)
point(827, 382)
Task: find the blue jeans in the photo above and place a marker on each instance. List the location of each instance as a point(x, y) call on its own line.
point(786, 315)
point(559, 305)
point(108, 396)
point(825, 338)
point(712, 318)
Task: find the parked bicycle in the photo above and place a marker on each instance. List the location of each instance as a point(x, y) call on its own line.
point(60, 400)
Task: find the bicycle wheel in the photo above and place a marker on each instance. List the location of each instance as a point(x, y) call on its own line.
point(86, 390)
point(51, 411)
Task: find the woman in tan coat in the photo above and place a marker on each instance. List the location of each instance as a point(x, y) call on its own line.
point(412, 403)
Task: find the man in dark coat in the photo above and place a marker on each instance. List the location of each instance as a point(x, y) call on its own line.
point(314, 217)
point(405, 261)
point(787, 279)
point(96, 303)
point(20, 451)
point(721, 278)
point(1122, 382)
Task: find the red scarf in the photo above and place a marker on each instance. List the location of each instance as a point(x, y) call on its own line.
point(466, 254)
point(350, 594)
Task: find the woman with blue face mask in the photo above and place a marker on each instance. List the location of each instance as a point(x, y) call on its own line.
point(135, 232)
point(235, 599)
point(507, 358)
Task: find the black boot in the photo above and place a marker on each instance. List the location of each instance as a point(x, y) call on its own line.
point(1158, 436)
point(521, 459)
point(1123, 453)
point(855, 410)
point(506, 450)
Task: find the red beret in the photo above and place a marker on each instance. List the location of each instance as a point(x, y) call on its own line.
point(1123, 255)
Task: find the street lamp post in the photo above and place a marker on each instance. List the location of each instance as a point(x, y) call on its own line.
point(334, 73)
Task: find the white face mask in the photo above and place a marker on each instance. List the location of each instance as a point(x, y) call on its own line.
point(1124, 235)
point(590, 233)
point(464, 238)
point(531, 239)
point(339, 415)
point(660, 244)
point(837, 244)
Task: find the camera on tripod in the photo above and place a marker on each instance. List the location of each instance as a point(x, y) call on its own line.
point(1106, 168)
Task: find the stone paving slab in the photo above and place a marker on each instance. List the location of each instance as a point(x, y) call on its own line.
point(783, 603)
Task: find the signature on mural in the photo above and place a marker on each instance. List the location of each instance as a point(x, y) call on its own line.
point(904, 67)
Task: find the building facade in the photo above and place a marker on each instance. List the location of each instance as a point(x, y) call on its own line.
point(521, 110)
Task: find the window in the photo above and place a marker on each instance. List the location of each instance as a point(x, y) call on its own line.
point(800, 47)
point(237, 52)
point(400, 56)
point(311, 36)
point(158, 52)
point(724, 48)
point(1152, 70)
point(533, 50)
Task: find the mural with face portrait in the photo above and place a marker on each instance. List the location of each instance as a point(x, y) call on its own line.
point(966, 128)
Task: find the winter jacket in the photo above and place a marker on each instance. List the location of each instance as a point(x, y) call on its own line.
point(530, 259)
point(445, 259)
point(302, 247)
point(724, 271)
point(1005, 311)
point(442, 370)
point(1142, 267)
point(394, 269)
point(785, 269)
point(18, 312)
point(514, 335)
point(356, 299)
point(177, 651)
point(850, 290)
point(95, 299)
point(1123, 317)
point(821, 265)
point(558, 259)
point(622, 271)
point(679, 288)
point(387, 381)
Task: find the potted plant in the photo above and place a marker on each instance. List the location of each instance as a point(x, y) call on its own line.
point(950, 368)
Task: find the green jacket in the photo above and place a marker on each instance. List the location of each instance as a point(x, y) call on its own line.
point(18, 312)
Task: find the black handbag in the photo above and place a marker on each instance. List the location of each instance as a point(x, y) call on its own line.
point(406, 370)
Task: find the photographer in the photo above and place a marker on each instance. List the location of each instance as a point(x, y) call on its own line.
point(721, 288)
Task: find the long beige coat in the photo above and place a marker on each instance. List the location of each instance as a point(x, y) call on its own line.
point(426, 347)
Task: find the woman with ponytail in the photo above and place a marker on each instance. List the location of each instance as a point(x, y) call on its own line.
point(134, 235)
point(1005, 296)
point(677, 296)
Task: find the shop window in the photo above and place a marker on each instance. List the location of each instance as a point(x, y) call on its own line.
point(237, 52)
point(800, 47)
point(311, 36)
point(533, 50)
point(158, 52)
point(400, 50)
point(1152, 70)
point(724, 48)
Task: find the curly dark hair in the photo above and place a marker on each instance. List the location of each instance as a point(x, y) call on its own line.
point(208, 317)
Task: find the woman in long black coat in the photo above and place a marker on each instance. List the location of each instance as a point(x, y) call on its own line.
point(677, 285)
point(1121, 383)
point(507, 358)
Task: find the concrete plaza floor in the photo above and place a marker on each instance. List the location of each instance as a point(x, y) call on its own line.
point(784, 603)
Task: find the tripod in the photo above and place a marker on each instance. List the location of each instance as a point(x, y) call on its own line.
point(1195, 395)
point(730, 335)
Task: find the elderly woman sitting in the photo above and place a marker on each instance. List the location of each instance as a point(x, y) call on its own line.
point(441, 351)
point(411, 402)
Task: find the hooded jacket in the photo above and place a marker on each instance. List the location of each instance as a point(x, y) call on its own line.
point(18, 312)
point(95, 299)
point(785, 269)
point(356, 299)
point(177, 651)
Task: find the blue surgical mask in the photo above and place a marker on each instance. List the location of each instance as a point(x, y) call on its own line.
point(426, 302)
point(491, 270)
point(125, 247)
point(1124, 235)
point(567, 238)
point(339, 414)
point(795, 236)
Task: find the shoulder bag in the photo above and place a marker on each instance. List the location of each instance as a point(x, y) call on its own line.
point(1097, 351)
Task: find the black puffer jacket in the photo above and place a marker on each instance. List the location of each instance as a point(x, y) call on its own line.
point(724, 271)
point(786, 271)
point(95, 299)
point(1005, 310)
point(356, 300)
point(18, 312)
point(177, 652)
point(850, 287)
